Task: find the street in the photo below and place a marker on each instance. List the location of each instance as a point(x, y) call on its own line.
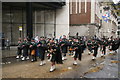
point(100, 68)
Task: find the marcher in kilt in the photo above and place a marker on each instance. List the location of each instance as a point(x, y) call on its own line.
point(89, 45)
point(52, 51)
point(33, 49)
point(58, 54)
point(95, 48)
point(19, 49)
point(110, 42)
point(103, 44)
point(83, 46)
point(78, 51)
point(42, 47)
point(25, 47)
point(71, 48)
point(64, 47)
point(115, 44)
point(48, 46)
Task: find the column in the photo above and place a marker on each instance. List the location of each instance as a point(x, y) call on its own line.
point(29, 24)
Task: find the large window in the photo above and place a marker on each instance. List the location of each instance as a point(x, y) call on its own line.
point(43, 23)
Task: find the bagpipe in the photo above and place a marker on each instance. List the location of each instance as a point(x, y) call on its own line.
point(43, 45)
point(33, 49)
point(71, 49)
point(52, 48)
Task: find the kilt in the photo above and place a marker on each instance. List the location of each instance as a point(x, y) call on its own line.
point(54, 57)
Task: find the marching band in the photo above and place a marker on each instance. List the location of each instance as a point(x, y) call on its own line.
point(57, 49)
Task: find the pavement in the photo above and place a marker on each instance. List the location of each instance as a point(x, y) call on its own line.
point(102, 67)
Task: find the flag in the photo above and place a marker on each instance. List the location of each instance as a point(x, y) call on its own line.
point(106, 16)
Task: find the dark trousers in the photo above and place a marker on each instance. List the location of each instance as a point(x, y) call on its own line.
point(95, 52)
point(78, 55)
point(25, 53)
point(19, 51)
point(104, 50)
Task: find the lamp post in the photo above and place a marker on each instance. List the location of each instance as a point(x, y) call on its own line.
point(20, 29)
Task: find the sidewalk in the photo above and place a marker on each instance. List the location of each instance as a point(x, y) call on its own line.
point(9, 53)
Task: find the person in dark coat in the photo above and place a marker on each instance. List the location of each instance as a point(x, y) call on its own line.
point(71, 49)
point(110, 42)
point(58, 54)
point(82, 45)
point(41, 48)
point(48, 46)
point(19, 49)
point(95, 48)
point(115, 44)
point(7, 44)
point(33, 50)
point(89, 45)
point(78, 51)
point(25, 47)
point(3, 43)
point(103, 45)
point(52, 51)
point(64, 47)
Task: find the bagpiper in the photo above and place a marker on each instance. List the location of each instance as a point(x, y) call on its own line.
point(82, 43)
point(54, 50)
point(33, 49)
point(48, 45)
point(19, 49)
point(64, 47)
point(71, 48)
point(95, 48)
point(89, 45)
point(42, 47)
point(78, 51)
point(103, 45)
point(115, 44)
point(25, 47)
point(58, 53)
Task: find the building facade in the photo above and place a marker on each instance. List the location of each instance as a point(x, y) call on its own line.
point(23, 19)
point(82, 18)
point(109, 27)
point(86, 19)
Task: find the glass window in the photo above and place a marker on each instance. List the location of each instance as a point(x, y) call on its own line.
point(16, 16)
point(6, 16)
